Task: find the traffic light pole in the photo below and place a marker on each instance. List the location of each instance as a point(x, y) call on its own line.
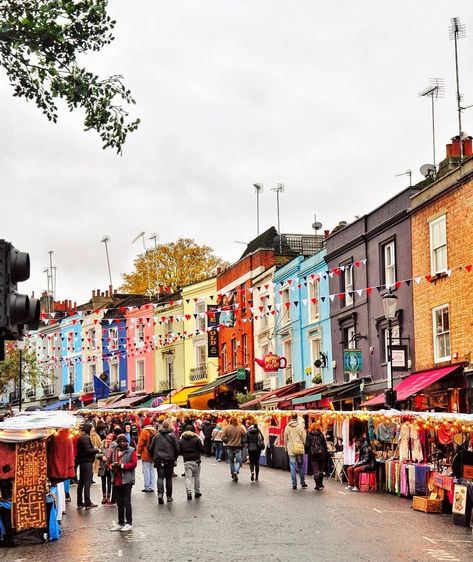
point(20, 381)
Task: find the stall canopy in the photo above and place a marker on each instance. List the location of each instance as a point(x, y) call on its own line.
point(271, 394)
point(413, 384)
point(180, 397)
point(342, 390)
point(34, 425)
point(56, 405)
point(306, 395)
point(130, 401)
point(224, 379)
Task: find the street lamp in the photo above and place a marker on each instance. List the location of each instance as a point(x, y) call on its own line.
point(390, 309)
point(20, 345)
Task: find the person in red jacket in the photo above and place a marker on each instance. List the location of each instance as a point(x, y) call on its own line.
point(123, 464)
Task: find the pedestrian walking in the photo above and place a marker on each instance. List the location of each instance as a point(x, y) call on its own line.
point(164, 449)
point(104, 469)
point(130, 434)
point(218, 443)
point(85, 459)
point(255, 444)
point(144, 442)
point(233, 436)
point(316, 449)
point(294, 439)
point(124, 460)
point(207, 429)
point(191, 449)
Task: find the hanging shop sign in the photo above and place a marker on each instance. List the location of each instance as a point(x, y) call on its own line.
point(271, 363)
point(212, 342)
point(241, 375)
point(212, 315)
point(352, 361)
point(399, 357)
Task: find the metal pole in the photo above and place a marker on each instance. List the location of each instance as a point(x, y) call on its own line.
point(108, 263)
point(433, 131)
point(459, 108)
point(257, 212)
point(20, 381)
point(390, 359)
point(70, 391)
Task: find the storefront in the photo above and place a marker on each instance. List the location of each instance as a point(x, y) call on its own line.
point(220, 393)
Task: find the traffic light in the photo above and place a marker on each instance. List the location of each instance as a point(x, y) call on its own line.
point(18, 312)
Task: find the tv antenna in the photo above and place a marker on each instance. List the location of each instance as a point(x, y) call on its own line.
point(428, 170)
point(458, 31)
point(435, 90)
point(279, 189)
point(406, 173)
point(105, 240)
point(316, 225)
point(258, 189)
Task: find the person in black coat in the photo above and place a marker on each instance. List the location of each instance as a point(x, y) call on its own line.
point(164, 449)
point(191, 448)
point(85, 459)
point(207, 427)
point(316, 449)
point(255, 443)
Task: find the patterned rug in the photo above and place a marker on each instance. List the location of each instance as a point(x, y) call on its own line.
point(30, 486)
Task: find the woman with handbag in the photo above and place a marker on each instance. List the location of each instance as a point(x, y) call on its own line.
point(316, 448)
point(294, 439)
point(255, 443)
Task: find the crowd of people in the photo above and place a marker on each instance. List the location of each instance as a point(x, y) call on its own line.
point(110, 447)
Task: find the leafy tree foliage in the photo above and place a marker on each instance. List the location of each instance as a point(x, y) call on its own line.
point(32, 373)
point(40, 42)
point(172, 265)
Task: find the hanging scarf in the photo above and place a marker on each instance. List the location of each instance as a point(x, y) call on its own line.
point(30, 486)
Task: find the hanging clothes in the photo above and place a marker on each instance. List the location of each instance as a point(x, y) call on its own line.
point(404, 445)
point(61, 456)
point(417, 454)
point(7, 460)
point(348, 446)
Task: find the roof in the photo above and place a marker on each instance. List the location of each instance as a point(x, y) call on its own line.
point(263, 241)
point(271, 394)
point(413, 384)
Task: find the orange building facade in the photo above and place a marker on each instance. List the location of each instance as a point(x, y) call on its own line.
point(442, 258)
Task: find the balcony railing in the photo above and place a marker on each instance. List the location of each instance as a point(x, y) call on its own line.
point(199, 373)
point(88, 387)
point(165, 385)
point(31, 392)
point(48, 390)
point(138, 385)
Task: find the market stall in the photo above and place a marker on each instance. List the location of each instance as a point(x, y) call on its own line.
point(36, 458)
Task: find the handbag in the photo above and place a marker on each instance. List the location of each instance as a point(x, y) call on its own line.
point(261, 444)
point(298, 449)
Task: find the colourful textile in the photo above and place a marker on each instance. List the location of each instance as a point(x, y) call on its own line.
point(30, 486)
point(61, 456)
point(411, 470)
point(7, 460)
point(421, 478)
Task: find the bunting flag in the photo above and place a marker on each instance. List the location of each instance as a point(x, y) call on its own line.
point(101, 389)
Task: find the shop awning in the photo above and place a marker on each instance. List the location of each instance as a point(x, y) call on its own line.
point(413, 384)
point(180, 397)
point(130, 401)
point(342, 389)
point(288, 401)
point(283, 390)
point(56, 405)
point(225, 379)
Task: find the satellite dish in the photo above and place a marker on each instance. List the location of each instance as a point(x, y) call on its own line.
point(317, 225)
point(428, 170)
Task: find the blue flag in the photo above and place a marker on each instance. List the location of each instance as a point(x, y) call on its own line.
point(101, 389)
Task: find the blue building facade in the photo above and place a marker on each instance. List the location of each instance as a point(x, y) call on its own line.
point(71, 352)
point(114, 346)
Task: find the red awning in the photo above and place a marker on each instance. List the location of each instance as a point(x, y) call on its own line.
point(271, 394)
point(286, 401)
point(413, 384)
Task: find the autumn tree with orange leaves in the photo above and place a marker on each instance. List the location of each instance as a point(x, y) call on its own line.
point(172, 265)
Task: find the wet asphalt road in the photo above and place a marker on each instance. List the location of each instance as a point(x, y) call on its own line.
point(254, 521)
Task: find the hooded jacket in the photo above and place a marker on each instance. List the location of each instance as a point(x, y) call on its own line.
point(253, 435)
point(315, 445)
point(191, 446)
point(164, 445)
point(366, 456)
point(85, 450)
point(294, 433)
point(144, 442)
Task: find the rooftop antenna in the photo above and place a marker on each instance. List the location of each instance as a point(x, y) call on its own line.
point(428, 170)
point(142, 236)
point(106, 240)
point(53, 274)
point(458, 31)
point(407, 173)
point(279, 189)
point(316, 225)
point(435, 90)
point(154, 236)
point(258, 189)
point(48, 290)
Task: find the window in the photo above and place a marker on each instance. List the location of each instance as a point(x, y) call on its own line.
point(91, 335)
point(395, 340)
point(441, 324)
point(263, 313)
point(200, 321)
point(349, 340)
point(224, 358)
point(438, 245)
point(234, 354)
point(113, 338)
point(243, 296)
point(286, 306)
point(169, 367)
point(201, 355)
point(92, 372)
point(348, 284)
point(314, 303)
point(288, 371)
point(140, 332)
point(244, 345)
point(389, 263)
point(314, 355)
point(114, 376)
point(140, 375)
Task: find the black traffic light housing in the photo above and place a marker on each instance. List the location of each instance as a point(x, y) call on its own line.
point(18, 312)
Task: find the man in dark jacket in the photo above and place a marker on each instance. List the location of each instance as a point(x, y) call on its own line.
point(164, 449)
point(207, 428)
point(86, 453)
point(191, 451)
point(365, 463)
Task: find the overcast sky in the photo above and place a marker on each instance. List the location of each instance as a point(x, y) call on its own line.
point(320, 96)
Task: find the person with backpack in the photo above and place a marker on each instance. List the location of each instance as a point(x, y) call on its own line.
point(144, 441)
point(316, 449)
point(191, 448)
point(294, 439)
point(164, 449)
point(255, 444)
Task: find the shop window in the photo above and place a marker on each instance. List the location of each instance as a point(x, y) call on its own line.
point(389, 263)
point(438, 245)
point(441, 325)
point(314, 300)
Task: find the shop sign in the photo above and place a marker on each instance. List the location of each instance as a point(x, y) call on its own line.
point(241, 375)
point(212, 343)
point(460, 494)
point(399, 357)
point(212, 315)
point(352, 361)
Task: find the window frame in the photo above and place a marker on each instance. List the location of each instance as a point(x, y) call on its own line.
point(313, 290)
point(436, 335)
point(433, 265)
point(384, 265)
